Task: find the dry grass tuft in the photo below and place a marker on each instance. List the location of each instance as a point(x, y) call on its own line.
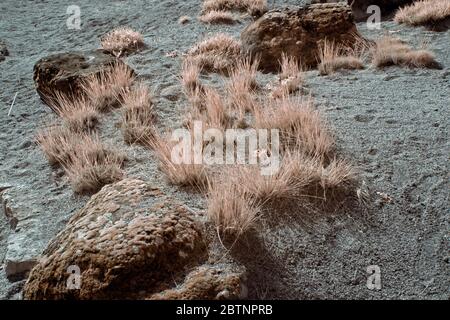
point(339, 173)
point(391, 51)
point(425, 12)
point(333, 57)
point(218, 53)
point(181, 174)
point(78, 113)
point(215, 115)
point(301, 125)
point(238, 196)
point(90, 171)
point(290, 77)
point(190, 78)
point(232, 211)
point(122, 40)
point(138, 116)
point(246, 71)
point(105, 91)
point(88, 163)
point(299, 177)
point(253, 7)
point(58, 143)
point(217, 17)
point(242, 85)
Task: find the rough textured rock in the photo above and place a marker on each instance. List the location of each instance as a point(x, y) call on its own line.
point(3, 51)
point(128, 240)
point(359, 7)
point(209, 282)
point(299, 32)
point(64, 71)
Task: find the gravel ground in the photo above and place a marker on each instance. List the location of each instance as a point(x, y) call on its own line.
point(393, 124)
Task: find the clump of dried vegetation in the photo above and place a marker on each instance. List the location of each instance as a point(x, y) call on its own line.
point(241, 88)
point(253, 7)
point(105, 90)
point(333, 58)
point(232, 210)
point(217, 17)
point(182, 173)
point(122, 40)
point(290, 77)
point(92, 169)
point(138, 116)
point(218, 53)
point(390, 51)
point(88, 163)
point(425, 13)
point(78, 113)
point(300, 124)
point(74, 146)
point(190, 78)
point(239, 195)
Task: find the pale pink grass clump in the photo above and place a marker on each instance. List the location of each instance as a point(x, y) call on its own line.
point(78, 113)
point(333, 58)
point(190, 78)
point(290, 77)
point(300, 123)
point(242, 85)
point(425, 12)
point(299, 177)
point(217, 17)
point(181, 174)
point(105, 90)
point(219, 53)
point(232, 211)
point(253, 7)
point(88, 163)
point(138, 116)
point(390, 51)
point(122, 40)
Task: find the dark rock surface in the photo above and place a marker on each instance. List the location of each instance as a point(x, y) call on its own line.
point(64, 72)
point(298, 32)
point(209, 282)
point(127, 241)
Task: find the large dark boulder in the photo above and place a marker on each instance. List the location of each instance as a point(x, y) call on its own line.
point(298, 32)
point(129, 241)
point(64, 72)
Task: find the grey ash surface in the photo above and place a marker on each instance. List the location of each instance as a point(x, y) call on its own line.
point(394, 124)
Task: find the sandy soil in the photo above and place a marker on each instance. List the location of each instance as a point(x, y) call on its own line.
point(393, 124)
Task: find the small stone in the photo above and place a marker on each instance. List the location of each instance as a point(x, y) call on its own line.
point(3, 51)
